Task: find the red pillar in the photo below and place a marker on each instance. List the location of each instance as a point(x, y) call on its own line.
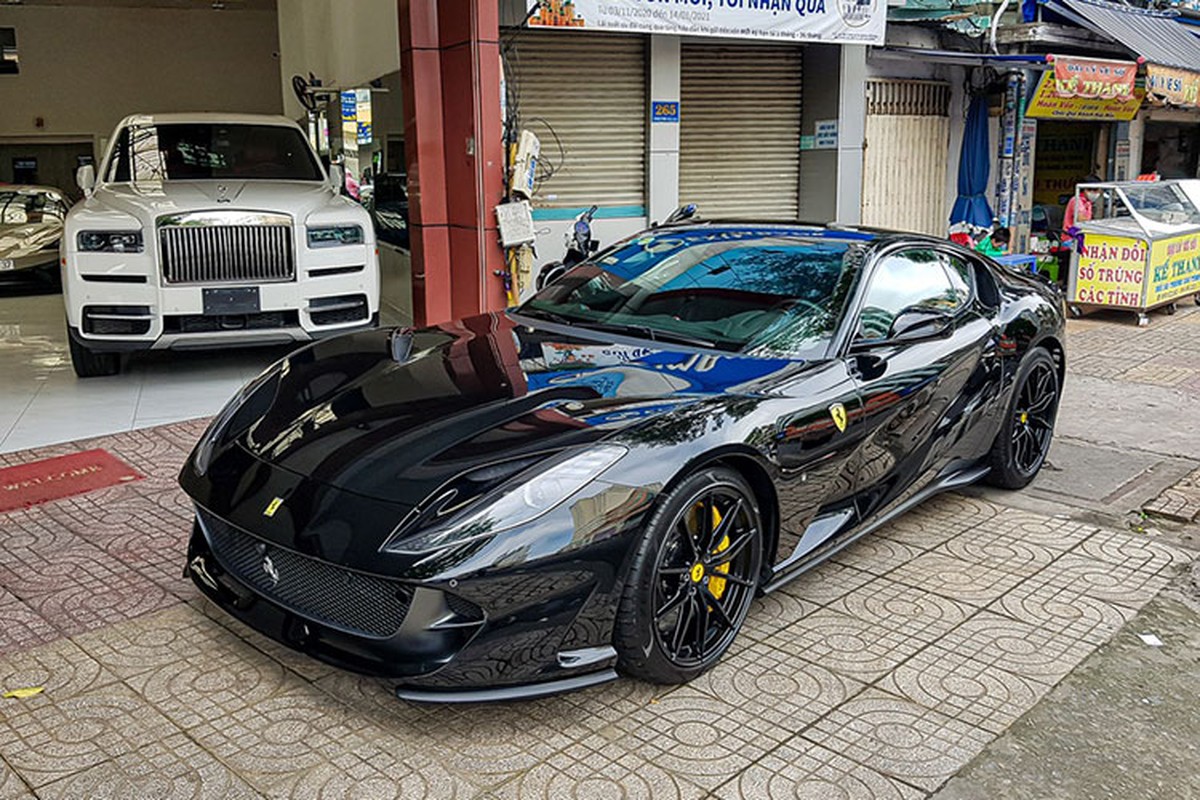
point(450, 69)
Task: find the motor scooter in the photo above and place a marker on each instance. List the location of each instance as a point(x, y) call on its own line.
point(580, 243)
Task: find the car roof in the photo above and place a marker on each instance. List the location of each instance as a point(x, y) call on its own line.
point(210, 117)
point(30, 188)
point(819, 230)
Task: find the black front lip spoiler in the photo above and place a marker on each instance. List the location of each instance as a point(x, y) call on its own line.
point(501, 694)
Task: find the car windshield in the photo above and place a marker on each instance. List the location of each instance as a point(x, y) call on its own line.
point(202, 151)
point(26, 207)
point(753, 291)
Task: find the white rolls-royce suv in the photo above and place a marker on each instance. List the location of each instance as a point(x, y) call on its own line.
point(211, 231)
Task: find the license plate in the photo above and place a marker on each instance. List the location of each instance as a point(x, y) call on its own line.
point(6, 263)
point(218, 302)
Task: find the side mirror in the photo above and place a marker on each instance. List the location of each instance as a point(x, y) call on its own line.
point(919, 323)
point(593, 245)
point(337, 178)
point(85, 177)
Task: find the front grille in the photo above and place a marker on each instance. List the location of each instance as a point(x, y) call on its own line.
point(198, 323)
point(312, 588)
point(116, 320)
point(226, 253)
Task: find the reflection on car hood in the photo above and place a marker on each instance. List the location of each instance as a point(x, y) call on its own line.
point(146, 202)
point(17, 241)
point(483, 391)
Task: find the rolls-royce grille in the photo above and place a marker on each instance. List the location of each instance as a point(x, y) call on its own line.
point(312, 588)
point(226, 253)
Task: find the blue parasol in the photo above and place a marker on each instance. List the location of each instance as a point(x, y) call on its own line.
point(971, 207)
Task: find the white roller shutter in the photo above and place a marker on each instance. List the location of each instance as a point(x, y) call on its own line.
point(904, 167)
point(739, 136)
point(584, 95)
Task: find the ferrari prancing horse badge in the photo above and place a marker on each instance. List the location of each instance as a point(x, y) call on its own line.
point(838, 412)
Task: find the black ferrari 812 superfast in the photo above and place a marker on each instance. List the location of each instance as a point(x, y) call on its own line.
point(600, 480)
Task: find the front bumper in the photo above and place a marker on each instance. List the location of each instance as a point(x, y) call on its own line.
point(447, 648)
point(216, 340)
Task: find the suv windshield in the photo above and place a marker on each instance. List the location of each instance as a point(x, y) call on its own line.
point(203, 151)
point(755, 291)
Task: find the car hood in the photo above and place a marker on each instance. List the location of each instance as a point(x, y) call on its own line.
point(395, 416)
point(17, 241)
point(148, 202)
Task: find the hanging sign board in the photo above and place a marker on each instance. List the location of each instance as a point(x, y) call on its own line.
point(1179, 87)
point(1094, 78)
point(850, 21)
point(1047, 103)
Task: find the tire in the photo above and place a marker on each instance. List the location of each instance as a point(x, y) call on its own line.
point(90, 364)
point(653, 639)
point(1028, 427)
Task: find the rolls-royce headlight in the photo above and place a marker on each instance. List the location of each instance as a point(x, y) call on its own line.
point(110, 241)
point(335, 235)
point(515, 506)
point(250, 403)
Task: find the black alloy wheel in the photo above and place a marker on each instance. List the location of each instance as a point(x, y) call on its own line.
point(693, 579)
point(1024, 438)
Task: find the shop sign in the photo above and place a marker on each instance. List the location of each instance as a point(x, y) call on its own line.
point(1111, 271)
point(851, 21)
point(664, 111)
point(1174, 269)
point(1094, 78)
point(826, 134)
point(1179, 87)
point(1047, 103)
point(362, 115)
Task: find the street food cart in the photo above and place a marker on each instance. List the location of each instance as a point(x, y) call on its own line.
point(1140, 250)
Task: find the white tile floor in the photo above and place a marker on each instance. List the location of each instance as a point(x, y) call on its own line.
point(42, 402)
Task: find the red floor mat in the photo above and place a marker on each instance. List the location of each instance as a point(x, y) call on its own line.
point(55, 478)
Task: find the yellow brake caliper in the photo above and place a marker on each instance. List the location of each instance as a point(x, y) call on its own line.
point(717, 585)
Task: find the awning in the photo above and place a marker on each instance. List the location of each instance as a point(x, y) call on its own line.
point(1154, 35)
point(960, 58)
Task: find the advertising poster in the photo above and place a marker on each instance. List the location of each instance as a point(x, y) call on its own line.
point(851, 21)
point(1094, 78)
point(1178, 87)
point(1174, 269)
point(362, 115)
point(1064, 157)
point(1047, 103)
point(1110, 272)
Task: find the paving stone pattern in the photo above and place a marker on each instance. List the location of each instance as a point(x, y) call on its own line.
point(878, 674)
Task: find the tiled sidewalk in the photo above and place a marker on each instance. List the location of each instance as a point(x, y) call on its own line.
point(877, 675)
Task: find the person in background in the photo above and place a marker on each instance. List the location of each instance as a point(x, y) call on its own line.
point(1080, 207)
point(996, 244)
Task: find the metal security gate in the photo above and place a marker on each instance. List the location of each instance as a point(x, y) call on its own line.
point(584, 95)
point(904, 167)
point(739, 136)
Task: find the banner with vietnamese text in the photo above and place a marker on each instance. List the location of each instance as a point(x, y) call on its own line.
point(848, 21)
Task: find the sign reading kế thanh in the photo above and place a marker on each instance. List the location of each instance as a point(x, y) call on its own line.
point(1094, 78)
point(850, 21)
point(1179, 87)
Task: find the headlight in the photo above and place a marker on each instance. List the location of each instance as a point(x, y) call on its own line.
point(249, 404)
point(335, 235)
point(516, 506)
point(110, 241)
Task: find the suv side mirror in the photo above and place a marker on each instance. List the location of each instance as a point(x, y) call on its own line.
point(85, 176)
point(337, 178)
point(915, 322)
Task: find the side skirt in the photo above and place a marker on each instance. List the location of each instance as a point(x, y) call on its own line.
point(951, 481)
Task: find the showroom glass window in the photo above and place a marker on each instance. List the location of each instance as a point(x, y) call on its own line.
point(758, 291)
point(912, 279)
point(222, 151)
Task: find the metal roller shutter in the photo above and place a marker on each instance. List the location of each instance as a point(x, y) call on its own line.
point(589, 91)
point(904, 168)
point(739, 136)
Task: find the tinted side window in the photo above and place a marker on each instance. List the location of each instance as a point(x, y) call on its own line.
point(913, 278)
point(960, 277)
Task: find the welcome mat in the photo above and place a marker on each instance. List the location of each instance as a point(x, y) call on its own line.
point(50, 479)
